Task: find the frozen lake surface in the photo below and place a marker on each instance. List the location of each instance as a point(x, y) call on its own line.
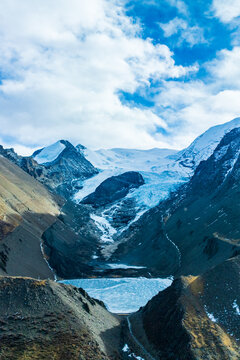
point(122, 295)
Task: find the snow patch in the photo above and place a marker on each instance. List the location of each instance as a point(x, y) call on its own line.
point(177, 248)
point(205, 144)
point(236, 307)
point(210, 316)
point(44, 257)
point(50, 153)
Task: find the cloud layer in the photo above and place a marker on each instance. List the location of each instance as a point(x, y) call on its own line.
point(63, 65)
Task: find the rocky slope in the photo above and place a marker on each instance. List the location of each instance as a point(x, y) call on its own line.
point(201, 213)
point(41, 319)
point(38, 228)
point(28, 164)
point(196, 318)
point(207, 217)
point(71, 242)
point(27, 209)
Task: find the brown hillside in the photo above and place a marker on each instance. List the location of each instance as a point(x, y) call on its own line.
point(27, 209)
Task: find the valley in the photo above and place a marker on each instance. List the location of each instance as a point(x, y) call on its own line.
point(144, 247)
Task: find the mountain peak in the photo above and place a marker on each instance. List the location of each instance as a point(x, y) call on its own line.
point(49, 153)
point(204, 145)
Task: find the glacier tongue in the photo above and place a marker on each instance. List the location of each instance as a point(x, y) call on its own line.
point(105, 228)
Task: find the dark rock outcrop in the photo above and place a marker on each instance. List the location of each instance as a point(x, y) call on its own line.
point(114, 188)
point(71, 242)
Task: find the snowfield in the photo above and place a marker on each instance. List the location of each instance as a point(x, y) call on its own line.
point(50, 153)
point(122, 296)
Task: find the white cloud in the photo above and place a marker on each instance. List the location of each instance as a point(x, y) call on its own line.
point(192, 107)
point(63, 64)
point(180, 5)
point(225, 68)
point(226, 11)
point(190, 34)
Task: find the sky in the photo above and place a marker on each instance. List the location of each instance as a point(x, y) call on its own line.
point(117, 73)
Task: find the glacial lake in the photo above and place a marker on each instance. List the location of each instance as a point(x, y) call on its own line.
point(122, 295)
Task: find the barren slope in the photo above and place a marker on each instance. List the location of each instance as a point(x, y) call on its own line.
point(27, 209)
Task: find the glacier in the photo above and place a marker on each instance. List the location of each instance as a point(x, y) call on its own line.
point(163, 171)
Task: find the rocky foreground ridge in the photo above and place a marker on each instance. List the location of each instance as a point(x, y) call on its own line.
point(41, 319)
point(195, 318)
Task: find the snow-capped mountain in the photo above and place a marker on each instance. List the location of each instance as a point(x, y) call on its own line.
point(59, 166)
point(205, 144)
point(116, 187)
point(115, 217)
point(66, 165)
point(163, 171)
point(198, 226)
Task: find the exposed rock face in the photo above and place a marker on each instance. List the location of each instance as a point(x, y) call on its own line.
point(196, 318)
point(114, 188)
point(211, 174)
point(28, 164)
point(195, 229)
point(68, 170)
point(47, 320)
point(71, 242)
point(27, 209)
point(145, 243)
point(205, 223)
